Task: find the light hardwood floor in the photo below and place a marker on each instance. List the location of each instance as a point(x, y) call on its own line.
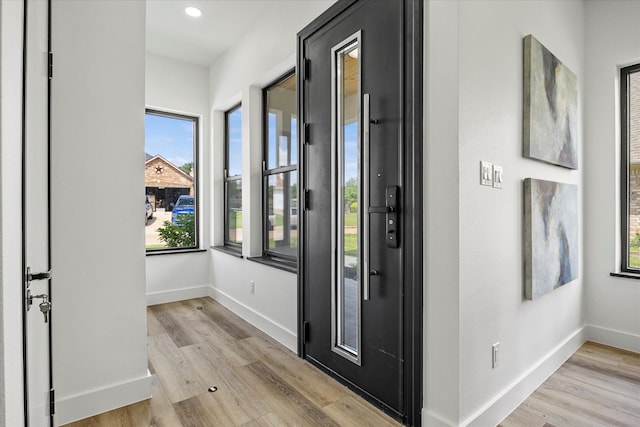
point(198, 343)
point(597, 386)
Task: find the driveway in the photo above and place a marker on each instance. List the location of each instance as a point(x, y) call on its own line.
point(151, 229)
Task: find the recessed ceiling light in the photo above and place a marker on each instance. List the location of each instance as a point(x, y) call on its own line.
point(193, 11)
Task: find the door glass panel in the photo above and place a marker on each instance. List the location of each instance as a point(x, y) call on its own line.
point(347, 209)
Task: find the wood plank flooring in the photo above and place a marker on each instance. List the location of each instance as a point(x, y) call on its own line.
point(198, 343)
point(599, 386)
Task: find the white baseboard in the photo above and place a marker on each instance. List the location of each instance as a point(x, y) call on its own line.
point(173, 295)
point(430, 419)
point(619, 339)
point(80, 406)
point(501, 405)
point(275, 330)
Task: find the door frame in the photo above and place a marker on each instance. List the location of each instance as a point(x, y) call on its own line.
point(25, 359)
point(412, 187)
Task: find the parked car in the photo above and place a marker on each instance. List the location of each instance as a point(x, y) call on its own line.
point(148, 214)
point(183, 206)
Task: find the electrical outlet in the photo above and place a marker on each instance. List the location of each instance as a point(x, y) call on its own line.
point(252, 287)
point(486, 173)
point(495, 353)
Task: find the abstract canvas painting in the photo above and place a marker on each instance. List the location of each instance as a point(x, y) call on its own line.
point(550, 235)
point(550, 107)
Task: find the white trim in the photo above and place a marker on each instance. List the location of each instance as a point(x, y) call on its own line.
point(80, 406)
point(505, 402)
point(430, 419)
point(173, 295)
point(618, 339)
point(286, 337)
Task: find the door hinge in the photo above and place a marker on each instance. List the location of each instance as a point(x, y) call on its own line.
point(305, 332)
point(306, 69)
point(52, 402)
point(307, 199)
point(306, 133)
point(50, 65)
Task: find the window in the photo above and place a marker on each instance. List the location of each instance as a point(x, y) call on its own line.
point(171, 219)
point(280, 185)
point(630, 167)
point(233, 179)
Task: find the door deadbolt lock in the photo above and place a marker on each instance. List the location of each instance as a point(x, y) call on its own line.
point(45, 305)
point(391, 210)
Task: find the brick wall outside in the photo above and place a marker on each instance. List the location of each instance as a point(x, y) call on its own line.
point(169, 177)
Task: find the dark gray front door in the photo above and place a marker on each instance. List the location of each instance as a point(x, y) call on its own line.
point(352, 266)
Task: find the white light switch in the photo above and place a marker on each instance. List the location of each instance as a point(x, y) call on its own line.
point(497, 176)
point(486, 173)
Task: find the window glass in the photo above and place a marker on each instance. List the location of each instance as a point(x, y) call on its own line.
point(170, 181)
point(280, 186)
point(234, 142)
point(630, 182)
point(282, 221)
point(233, 179)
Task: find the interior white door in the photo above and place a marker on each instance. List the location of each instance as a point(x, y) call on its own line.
point(36, 224)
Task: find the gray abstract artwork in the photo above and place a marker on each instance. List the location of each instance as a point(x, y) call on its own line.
point(550, 107)
point(550, 235)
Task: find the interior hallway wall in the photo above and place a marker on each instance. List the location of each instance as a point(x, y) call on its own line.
point(11, 366)
point(179, 87)
point(481, 300)
point(261, 56)
point(99, 299)
point(613, 303)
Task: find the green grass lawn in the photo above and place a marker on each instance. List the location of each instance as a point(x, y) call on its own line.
point(351, 244)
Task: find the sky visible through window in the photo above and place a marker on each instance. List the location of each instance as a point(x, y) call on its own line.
point(172, 138)
point(235, 142)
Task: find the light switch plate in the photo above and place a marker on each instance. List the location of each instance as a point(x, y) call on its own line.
point(498, 173)
point(486, 173)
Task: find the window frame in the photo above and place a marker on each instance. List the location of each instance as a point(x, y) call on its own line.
point(228, 244)
point(196, 181)
point(288, 262)
point(625, 157)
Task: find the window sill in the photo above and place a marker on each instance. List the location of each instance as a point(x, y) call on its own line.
point(290, 266)
point(228, 250)
point(174, 251)
point(626, 275)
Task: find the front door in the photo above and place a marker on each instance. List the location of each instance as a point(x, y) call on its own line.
point(354, 281)
point(35, 185)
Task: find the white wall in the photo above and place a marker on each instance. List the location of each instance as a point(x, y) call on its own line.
point(441, 220)
point(99, 335)
point(11, 389)
point(483, 41)
point(492, 306)
point(179, 87)
point(613, 304)
point(264, 54)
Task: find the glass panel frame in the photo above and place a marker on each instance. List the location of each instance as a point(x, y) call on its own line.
point(160, 196)
point(346, 339)
point(280, 160)
point(233, 203)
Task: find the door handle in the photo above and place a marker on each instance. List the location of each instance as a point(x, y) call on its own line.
point(390, 209)
point(46, 275)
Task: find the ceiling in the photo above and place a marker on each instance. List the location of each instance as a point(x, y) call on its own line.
point(170, 32)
